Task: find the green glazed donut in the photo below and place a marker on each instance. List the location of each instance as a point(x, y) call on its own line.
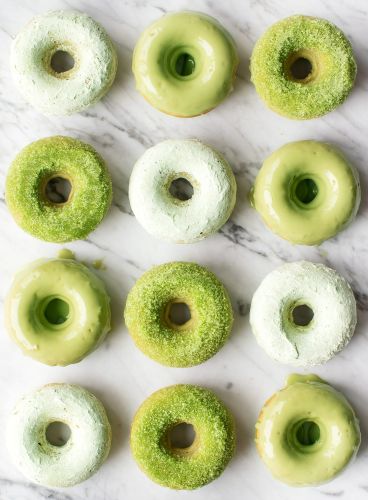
point(303, 67)
point(307, 433)
point(57, 311)
point(306, 192)
point(176, 467)
point(53, 463)
point(49, 160)
point(184, 64)
point(148, 314)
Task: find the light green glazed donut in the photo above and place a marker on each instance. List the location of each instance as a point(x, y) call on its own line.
point(57, 311)
point(50, 464)
point(148, 314)
point(176, 467)
point(64, 92)
point(184, 64)
point(307, 433)
point(48, 160)
point(301, 92)
point(306, 192)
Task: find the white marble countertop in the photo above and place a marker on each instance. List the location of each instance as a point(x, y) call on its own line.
point(121, 127)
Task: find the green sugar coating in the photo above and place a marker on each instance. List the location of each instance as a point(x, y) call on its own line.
point(333, 68)
point(183, 468)
point(51, 158)
point(147, 314)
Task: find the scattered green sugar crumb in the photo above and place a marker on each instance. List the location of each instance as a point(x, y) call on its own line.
point(65, 253)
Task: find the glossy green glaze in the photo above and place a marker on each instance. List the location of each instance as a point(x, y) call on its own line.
point(184, 63)
point(57, 311)
point(306, 192)
point(307, 433)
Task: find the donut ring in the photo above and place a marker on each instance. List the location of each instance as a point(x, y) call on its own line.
point(148, 308)
point(184, 64)
point(53, 465)
point(58, 158)
point(329, 57)
point(307, 433)
point(306, 192)
point(65, 92)
point(274, 305)
point(183, 468)
point(168, 217)
point(57, 311)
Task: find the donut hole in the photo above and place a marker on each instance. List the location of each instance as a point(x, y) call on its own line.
point(301, 68)
point(306, 190)
point(181, 189)
point(178, 313)
point(58, 190)
point(184, 64)
point(307, 433)
point(56, 311)
point(58, 433)
point(302, 315)
point(62, 61)
point(181, 436)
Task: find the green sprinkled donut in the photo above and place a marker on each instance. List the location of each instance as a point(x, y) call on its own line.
point(183, 468)
point(152, 301)
point(303, 67)
point(48, 215)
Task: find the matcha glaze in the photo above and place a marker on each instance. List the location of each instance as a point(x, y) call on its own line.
point(121, 127)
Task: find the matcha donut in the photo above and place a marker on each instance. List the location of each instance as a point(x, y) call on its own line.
point(303, 313)
point(306, 192)
point(307, 433)
point(184, 64)
point(52, 463)
point(45, 162)
point(303, 67)
point(57, 311)
point(177, 467)
point(151, 305)
point(159, 191)
point(56, 90)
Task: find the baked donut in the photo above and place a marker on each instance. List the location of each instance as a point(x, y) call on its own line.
point(307, 432)
point(183, 468)
point(306, 192)
point(303, 67)
point(303, 314)
point(59, 91)
point(149, 314)
point(184, 64)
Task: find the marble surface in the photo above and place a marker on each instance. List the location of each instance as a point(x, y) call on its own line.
point(121, 127)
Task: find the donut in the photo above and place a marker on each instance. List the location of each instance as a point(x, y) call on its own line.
point(178, 467)
point(184, 63)
point(42, 164)
point(59, 464)
point(56, 90)
point(307, 432)
point(149, 314)
point(303, 314)
point(182, 217)
point(306, 192)
point(57, 311)
point(303, 67)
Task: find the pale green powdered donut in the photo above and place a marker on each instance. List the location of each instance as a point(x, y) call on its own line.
point(307, 432)
point(57, 311)
point(53, 465)
point(63, 92)
point(326, 79)
point(49, 160)
point(184, 63)
point(176, 467)
point(148, 314)
point(306, 192)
